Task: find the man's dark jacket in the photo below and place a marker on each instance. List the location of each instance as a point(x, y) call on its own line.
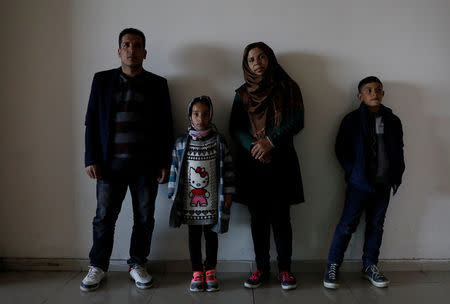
point(352, 151)
point(100, 120)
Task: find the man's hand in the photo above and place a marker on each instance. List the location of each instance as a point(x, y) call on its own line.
point(261, 147)
point(94, 171)
point(163, 176)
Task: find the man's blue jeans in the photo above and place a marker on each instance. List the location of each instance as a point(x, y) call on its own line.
point(110, 195)
point(375, 205)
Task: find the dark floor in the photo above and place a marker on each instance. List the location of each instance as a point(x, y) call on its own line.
point(63, 287)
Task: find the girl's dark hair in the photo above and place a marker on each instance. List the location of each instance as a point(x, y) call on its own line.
point(201, 99)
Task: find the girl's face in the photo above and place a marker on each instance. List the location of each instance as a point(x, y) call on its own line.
point(257, 61)
point(201, 117)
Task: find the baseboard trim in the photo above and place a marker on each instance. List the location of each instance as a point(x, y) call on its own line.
point(58, 264)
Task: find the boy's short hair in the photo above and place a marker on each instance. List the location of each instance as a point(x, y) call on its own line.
point(367, 80)
point(132, 31)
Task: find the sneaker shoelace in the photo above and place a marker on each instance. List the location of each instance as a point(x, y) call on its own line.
point(140, 270)
point(93, 273)
point(332, 271)
point(197, 276)
point(286, 276)
point(211, 275)
point(255, 275)
point(375, 273)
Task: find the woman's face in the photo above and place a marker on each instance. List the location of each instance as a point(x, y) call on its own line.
point(257, 61)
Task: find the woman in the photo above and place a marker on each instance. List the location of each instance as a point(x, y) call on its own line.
point(267, 112)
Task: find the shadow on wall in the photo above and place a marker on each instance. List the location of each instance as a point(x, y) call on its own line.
point(424, 162)
point(38, 176)
point(204, 71)
point(314, 221)
point(406, 207)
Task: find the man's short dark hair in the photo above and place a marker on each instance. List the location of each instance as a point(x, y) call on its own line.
point(132, 31)
point(367, 80)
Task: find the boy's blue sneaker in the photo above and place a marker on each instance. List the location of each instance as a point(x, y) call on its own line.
point(375, 276)
point(287, 280)
point(256, 279)
point(330, 278)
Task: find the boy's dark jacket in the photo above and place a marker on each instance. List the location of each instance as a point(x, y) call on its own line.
point(100, 119)
point(352, 153)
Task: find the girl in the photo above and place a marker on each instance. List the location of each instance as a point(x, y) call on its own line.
point(201, 185)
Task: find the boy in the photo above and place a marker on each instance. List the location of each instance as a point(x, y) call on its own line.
point(369, 147)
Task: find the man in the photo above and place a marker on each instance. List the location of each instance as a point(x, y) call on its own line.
point(128, 145)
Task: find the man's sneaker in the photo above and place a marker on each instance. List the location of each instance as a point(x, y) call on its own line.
point(140, 276)
point(375, 276)
point(287, 280)
point(211, 280)
point(330, 279)
point(198, 281)
point(256, 279)
point(92, 280)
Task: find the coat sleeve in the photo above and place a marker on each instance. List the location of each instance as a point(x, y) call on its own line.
point(173, 173)
point(92, 154)
point(239, 124)
point(288, 128)
point(401, 158)
point(293, 123)
point(228, 174)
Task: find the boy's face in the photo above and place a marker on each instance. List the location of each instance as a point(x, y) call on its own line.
point(372, 94)
point(201, 117)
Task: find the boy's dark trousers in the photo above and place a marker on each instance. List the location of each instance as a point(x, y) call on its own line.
point(110, 195)
point(195, 247)
point(375, 205)
point(264, 214)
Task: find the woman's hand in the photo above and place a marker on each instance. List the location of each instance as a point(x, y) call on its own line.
point(267, 158)
point(260, 148)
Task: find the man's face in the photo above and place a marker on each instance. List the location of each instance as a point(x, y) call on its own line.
point(372, 94)
point(131, 51)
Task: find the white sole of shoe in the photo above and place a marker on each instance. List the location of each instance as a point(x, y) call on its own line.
point(376, 284)
point(289, 287)
point(246, 285)
point(142, 286)
point(330, 285)
point(85, 289)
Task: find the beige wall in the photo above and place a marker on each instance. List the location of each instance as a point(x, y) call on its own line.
point(51, 49)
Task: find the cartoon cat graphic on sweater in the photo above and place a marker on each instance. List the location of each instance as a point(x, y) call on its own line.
point(198, 180)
